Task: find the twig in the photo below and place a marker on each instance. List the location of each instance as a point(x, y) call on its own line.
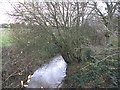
point(10, 76)
point(98, 61)
point(105, 58)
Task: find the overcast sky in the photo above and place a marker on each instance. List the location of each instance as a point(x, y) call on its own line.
point(5, 7)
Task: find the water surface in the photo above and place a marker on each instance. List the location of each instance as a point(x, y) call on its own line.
point(50, 75)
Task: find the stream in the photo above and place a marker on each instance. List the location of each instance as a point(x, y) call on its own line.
point(50, 75)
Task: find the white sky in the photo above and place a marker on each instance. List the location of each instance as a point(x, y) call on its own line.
point(5, 7)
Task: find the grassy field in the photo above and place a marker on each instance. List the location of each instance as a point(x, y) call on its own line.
point(5, 37)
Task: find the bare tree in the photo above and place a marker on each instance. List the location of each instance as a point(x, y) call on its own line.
point(108, 17)
point(62, 18)
point(110, 14)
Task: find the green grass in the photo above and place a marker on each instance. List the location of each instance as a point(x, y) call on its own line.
point(5, 38)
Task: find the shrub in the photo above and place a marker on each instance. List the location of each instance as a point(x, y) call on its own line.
point(34, 43)
point(101, 71)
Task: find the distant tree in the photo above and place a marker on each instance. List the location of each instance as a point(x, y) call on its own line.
point(109, 17)
point(6, 26)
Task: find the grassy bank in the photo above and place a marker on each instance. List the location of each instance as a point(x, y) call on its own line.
point(5, 37)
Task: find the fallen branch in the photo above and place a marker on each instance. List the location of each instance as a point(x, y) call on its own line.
point(98, 61)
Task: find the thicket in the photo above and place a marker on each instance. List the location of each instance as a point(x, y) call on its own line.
point(78, 45)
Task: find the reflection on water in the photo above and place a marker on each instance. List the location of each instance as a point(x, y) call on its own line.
point(50, 75)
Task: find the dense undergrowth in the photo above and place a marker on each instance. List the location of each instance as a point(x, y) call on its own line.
point(101, 71)
point(91, 64)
